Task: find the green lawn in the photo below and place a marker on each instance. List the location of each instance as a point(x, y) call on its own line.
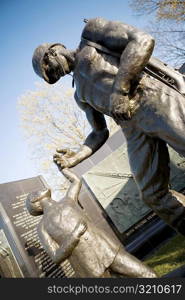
point(168, 257)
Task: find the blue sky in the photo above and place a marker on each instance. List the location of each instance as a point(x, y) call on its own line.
point(25, 24)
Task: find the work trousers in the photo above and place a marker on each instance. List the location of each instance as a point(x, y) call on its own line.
point(159, 120)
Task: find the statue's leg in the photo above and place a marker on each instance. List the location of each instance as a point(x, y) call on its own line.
point(161, 114)
point(129, 266)
point(159, 120)
point(149, 161)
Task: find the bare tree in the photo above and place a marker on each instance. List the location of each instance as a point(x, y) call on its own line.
point(170, 42)
point(164, 9)
point(50, 119)
point(168, 27)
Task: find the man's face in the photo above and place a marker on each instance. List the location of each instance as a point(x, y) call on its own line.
point(55, 65)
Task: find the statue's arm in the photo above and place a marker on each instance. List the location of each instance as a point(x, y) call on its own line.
point(92, 143)
point(134, 58)
point(65, 250)
point(59, 253)
point(134, 45)
point(99, 134)
point(135, 48)
point(47, 241)
point(75, 186)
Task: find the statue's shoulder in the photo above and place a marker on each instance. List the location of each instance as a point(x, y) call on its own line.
point(94, 26)
point(94, 29)
point(111, 34)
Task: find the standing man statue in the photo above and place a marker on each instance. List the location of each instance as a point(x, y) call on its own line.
point(65, 231)
point(109, 71)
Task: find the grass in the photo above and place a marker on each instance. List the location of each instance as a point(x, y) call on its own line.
point(168, 257)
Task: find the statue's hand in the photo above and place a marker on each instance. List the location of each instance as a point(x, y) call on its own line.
point(119, 107)
point(80, 228)
point(64, 158)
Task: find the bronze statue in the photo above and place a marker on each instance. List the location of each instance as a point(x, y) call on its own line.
point(6, 266)
point(65, 231)
point(113, 77)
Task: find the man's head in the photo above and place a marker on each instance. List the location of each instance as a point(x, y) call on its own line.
point(52, 61)
point(35, 200)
